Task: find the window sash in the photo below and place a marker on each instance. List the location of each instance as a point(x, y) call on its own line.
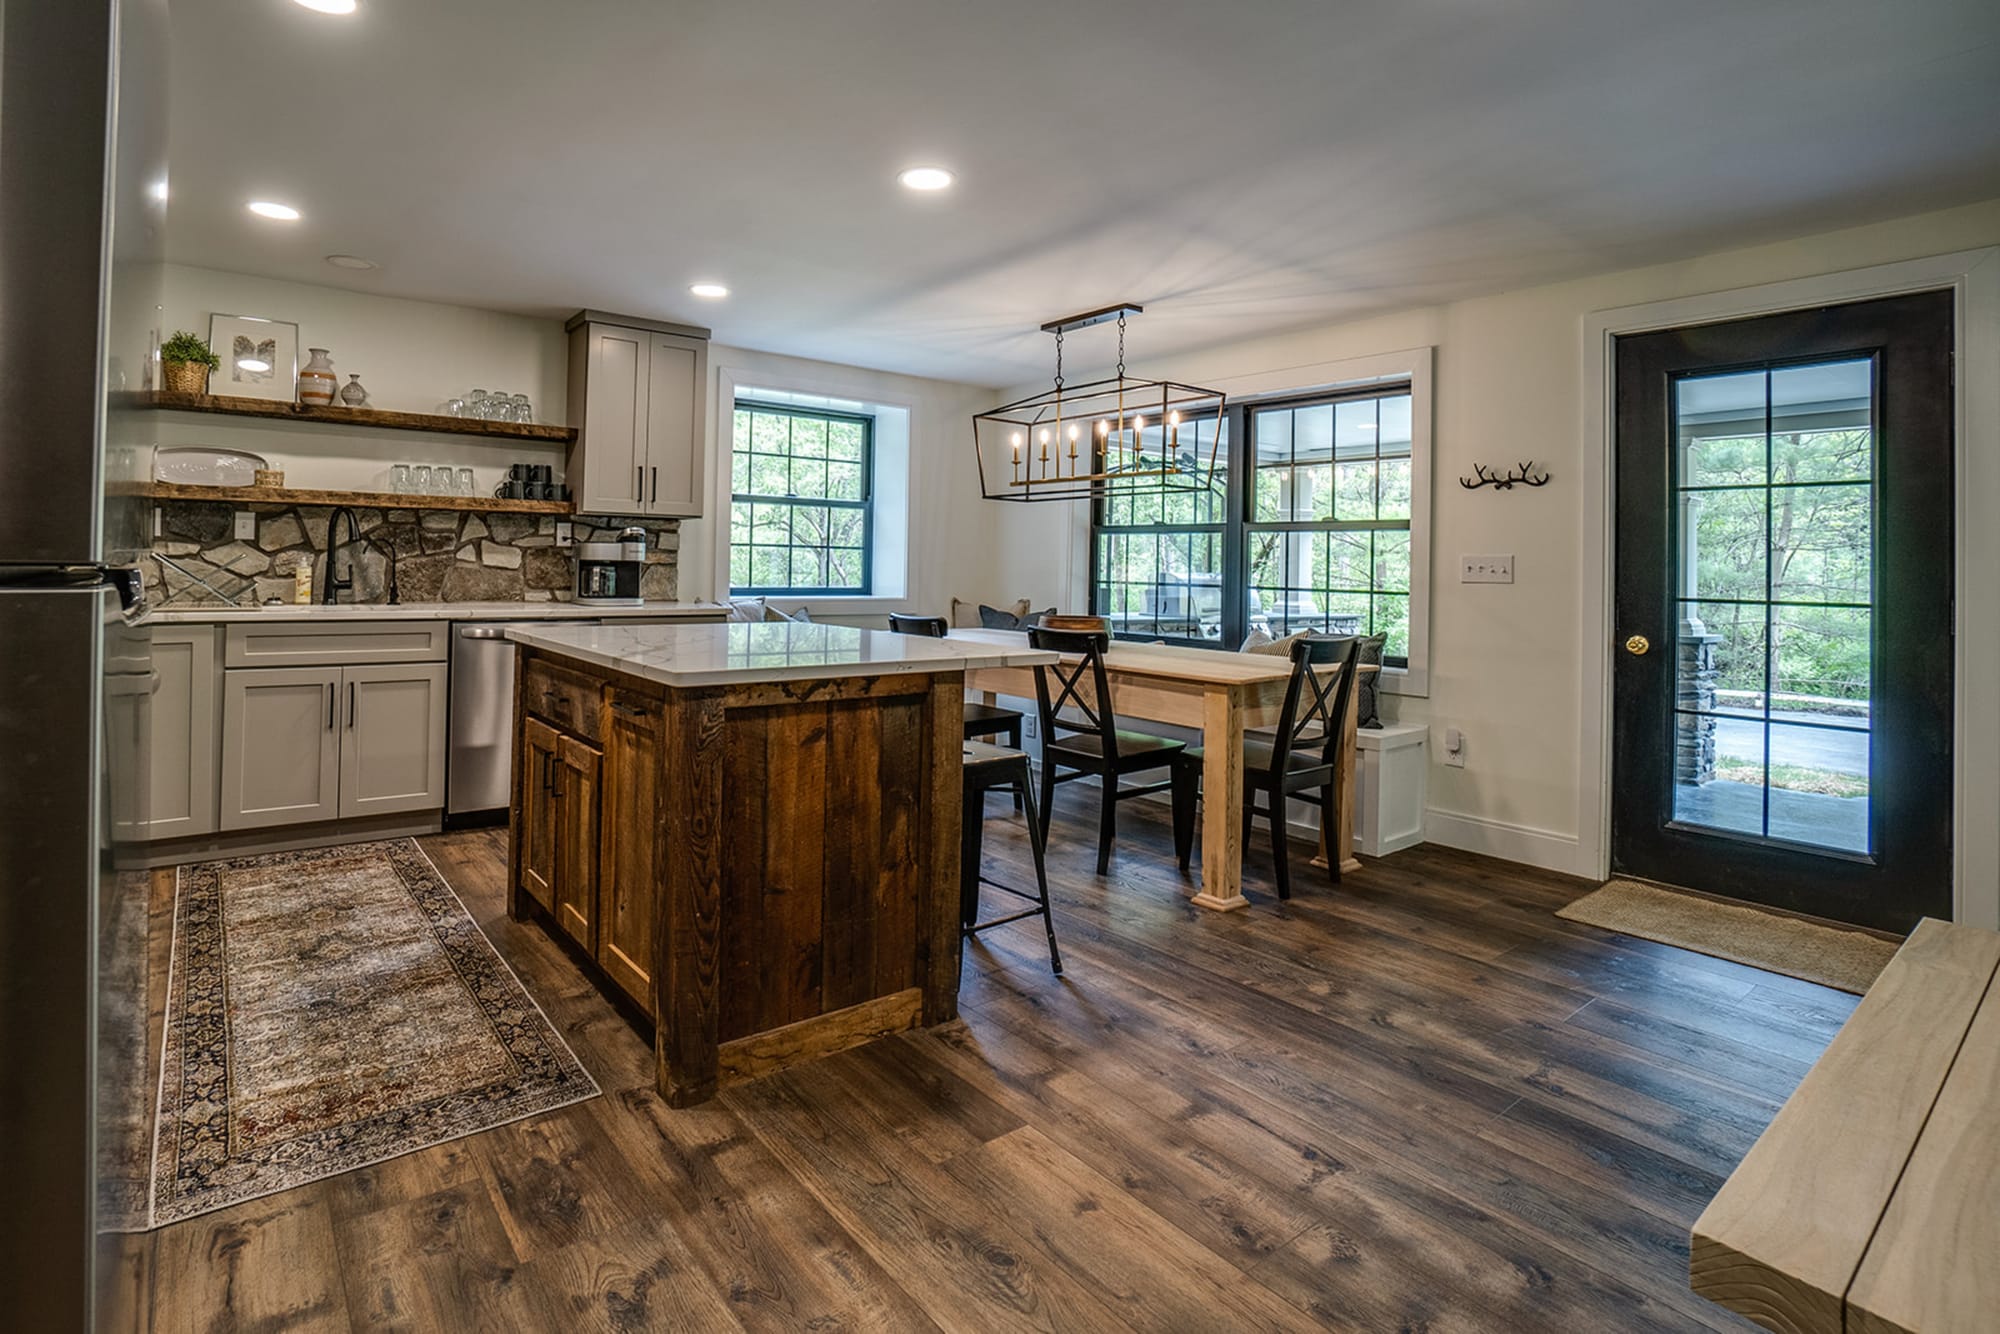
point(1239, 451)
point(789, 503)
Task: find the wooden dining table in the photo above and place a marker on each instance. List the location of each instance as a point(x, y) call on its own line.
point(1223, 694)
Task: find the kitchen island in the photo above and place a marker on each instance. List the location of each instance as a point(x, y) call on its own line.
point(751, 830)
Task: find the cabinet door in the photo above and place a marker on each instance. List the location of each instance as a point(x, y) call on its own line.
point(577, 770)
point(676, 434)
point(540, 745)
point(280, 746)
point(181, 788)
point(627, 883)
point(611, 448)
point(392, 739)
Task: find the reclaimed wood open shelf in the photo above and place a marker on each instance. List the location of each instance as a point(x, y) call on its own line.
point(375, 419)
point(381, 500)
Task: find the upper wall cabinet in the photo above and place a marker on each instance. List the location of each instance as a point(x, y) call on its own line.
point(638, 397)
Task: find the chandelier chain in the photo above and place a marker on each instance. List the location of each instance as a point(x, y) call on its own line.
point(1059, 338)
point(1121, 347)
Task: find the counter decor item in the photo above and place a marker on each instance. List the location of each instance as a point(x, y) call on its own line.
point(260, 357)
point(269, 477)
point(185, 363)
point(317, 380)
point(352, 394)
point(198, 465)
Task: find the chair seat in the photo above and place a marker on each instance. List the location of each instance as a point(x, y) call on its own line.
point(1136, 750)
point(1299, 765)
point(991, 713)
point(980, 755)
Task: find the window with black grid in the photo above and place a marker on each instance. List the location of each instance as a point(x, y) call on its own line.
point(1160, 543)
point(1327, 538)
point(800, 501)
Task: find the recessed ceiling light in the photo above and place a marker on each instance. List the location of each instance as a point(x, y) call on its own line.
point(926, 178)
point(330, 6)
point(264, 208)
point(351, 262)
point(709, 291)
point(158, 189)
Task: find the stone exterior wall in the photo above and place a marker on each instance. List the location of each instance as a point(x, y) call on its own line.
point(441, 555)
point(1694, 733)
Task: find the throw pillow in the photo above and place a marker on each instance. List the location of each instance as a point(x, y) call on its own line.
point(746, 609)
point(801, 616)
point(1019, 618)
point(965, 615)
point(1370, 654)
point(1277, 648)
point(1253, 641)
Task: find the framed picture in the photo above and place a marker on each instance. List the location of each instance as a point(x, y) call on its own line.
point(260, 358)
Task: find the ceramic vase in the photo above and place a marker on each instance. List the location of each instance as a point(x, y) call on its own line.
point(317, 380)
point(352, 394)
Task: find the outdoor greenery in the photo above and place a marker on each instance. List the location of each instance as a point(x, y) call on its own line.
point(798, 516)
point(1804, 543)
point(184, 346)
point(1793, 777)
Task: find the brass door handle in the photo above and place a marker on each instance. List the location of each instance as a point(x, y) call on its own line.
point(1637, 646)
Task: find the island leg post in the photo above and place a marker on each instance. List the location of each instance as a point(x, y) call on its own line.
point(690, 909)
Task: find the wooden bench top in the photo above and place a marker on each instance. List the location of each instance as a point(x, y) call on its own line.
point(1872, 1201)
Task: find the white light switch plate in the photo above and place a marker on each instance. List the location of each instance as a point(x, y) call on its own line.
point(565, 533)
point(1486, 569)
point(246, 526)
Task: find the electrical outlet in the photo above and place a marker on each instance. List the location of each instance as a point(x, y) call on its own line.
point(1486, 569)
point(246, 526)
point(1454, 747)
point(1028, 725)
point(565, 533)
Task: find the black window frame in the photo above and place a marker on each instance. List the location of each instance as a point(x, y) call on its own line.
point(865, 505)
point(1238, 456)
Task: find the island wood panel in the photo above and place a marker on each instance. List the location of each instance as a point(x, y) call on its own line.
point(1935, 1261)
point(534, 819)
point(631, 838)
point(1784, 1237)
point(690, 902)
point(577, 814)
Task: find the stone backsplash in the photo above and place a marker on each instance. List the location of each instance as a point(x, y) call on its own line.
point(441, 555)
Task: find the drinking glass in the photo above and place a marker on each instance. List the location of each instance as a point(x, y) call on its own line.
point(399, 479)
point(477, 403)
point(420, 480)
point(524, 411)
point(465, 482)
point(441, 474)
point(454, 407)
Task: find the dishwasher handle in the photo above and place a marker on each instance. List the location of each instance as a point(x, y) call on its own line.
point(481, 632)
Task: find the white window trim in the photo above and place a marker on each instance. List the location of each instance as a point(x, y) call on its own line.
point(897, 471)
point(1411, 364)
point(1974, 276)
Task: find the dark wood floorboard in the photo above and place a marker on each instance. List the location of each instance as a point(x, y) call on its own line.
point(1417, 1101)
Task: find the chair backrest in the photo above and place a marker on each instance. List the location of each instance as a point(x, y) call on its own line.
point(1069, 681)
point(931, 627)
point(1311, 697)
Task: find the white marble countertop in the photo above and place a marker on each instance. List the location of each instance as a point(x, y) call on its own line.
point(431, 611)
point(744, 654)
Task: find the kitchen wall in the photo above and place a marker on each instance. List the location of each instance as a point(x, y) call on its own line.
point(1511, 384)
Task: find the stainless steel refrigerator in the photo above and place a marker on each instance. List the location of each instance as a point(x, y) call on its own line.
point(82, 200)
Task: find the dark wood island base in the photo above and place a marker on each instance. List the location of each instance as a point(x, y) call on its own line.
point(768, 869)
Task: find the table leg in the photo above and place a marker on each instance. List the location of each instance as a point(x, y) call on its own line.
point(1222, 802)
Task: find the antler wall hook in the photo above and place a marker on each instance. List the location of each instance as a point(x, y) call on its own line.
point(1525, 477)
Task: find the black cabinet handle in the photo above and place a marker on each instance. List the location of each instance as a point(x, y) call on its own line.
point(350, 704)
point(656, 486)
point(329, 706)
point(639, 482)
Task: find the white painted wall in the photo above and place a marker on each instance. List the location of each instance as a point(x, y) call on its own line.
point(411, 356)
point(1505, 658)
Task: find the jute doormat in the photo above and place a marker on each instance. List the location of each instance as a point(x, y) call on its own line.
point(1830, 955)
point(329, 1009)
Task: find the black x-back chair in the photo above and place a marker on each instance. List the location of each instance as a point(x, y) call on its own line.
point(980, 719)
point(1095, 745)
point(1291, 762)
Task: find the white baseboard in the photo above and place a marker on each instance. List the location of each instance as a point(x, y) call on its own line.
point(1509, 842)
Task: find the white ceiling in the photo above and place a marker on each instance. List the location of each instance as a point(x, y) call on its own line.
point(1238, 168)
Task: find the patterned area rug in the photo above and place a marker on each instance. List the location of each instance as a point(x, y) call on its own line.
point(329, 1009)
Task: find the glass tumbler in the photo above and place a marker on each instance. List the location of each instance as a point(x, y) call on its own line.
point(441, 474)
point(420, 480)
point(399, 479)
point(465, 482)
point(524, 411)
point(477, 403)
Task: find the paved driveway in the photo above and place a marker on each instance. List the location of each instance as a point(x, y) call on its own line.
point(1808, 747)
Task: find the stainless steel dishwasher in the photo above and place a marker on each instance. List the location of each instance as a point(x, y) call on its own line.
point(480, 765)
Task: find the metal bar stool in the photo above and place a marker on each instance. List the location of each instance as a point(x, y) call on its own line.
point(988, 767)
point(980, 719)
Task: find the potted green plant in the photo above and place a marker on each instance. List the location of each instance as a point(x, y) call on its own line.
point(185, 362)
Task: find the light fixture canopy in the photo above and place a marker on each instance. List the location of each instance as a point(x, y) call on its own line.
point(1081, 442)
point(265, 208)
point(351, 262)
point(708, 291)
point(329, 6)
point(926, 178)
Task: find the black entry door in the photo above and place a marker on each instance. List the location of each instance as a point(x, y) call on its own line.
point(1782, 696)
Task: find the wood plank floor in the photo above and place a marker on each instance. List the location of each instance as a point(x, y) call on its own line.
point(1418, 1101)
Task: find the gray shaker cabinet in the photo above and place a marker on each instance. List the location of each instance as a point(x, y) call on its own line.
point(638, 396)
point(280, 746)
point(392, 748)
point(182, 738)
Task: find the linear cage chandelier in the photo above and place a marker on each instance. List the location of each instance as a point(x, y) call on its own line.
point(1078, 442)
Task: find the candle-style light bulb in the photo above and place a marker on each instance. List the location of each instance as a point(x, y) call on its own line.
point(1045, 451)
point(1138, 439)
point(1017, 455)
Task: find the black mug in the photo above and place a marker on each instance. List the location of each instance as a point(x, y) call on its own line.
point(543, 474)
point(510, 490)
point(521, 472)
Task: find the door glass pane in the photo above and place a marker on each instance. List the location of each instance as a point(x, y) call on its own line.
point(1774, 553)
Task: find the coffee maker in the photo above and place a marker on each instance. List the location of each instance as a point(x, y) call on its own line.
point(607, 573)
